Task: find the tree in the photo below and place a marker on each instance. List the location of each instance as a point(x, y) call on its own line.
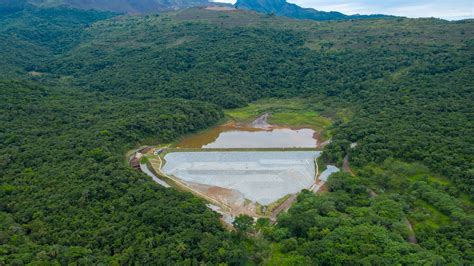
point(243, 224)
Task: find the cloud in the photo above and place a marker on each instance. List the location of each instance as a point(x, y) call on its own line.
point(452, 9)
point(447, 11)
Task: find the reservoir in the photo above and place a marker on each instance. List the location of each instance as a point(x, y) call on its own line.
point(233, 136)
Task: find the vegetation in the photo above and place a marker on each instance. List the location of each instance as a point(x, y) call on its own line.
point(67, 195)
point(80, 88)
point(121, 6)
point(363, 220)
point(295, 112)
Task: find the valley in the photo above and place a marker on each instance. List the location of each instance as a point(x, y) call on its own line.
point(224, 113)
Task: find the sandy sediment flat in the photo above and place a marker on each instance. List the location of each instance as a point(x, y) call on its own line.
point(262, 177)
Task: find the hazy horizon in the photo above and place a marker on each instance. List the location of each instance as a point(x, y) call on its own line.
point(453, 10)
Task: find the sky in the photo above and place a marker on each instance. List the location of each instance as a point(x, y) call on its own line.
point(446, 9)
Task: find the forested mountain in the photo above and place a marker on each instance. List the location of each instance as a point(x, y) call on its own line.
point(79, 88)
point(283, 8)
point(9, 6)
point(277, 7)
point(124, 6)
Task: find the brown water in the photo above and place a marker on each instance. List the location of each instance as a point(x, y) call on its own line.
point(232, 135)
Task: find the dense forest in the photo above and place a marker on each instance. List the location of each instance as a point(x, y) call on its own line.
point(80, 88)
point(119, 6)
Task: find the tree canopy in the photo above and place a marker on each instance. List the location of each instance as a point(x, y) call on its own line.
point(80, 88)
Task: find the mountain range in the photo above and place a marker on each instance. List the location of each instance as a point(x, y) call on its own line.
point(81, 90)
point(283, 8)
point(276, 7)
point(119, 6)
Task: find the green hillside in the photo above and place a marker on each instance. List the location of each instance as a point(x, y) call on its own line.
point(80, 88)
point(123, 6)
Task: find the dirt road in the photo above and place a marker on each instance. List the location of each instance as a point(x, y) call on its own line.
point(411, 233)
point(346, 167)
point(411, 237)
point(283, 207)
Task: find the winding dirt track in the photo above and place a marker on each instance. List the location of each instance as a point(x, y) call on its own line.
point(411, 233)
point(411, 237)
point(285, 206)
point(346, 166)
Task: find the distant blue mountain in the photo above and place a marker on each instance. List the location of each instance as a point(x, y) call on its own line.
point(283, 8)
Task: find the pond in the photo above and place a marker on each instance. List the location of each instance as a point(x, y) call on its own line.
point(246, 179)
point(234, 136)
